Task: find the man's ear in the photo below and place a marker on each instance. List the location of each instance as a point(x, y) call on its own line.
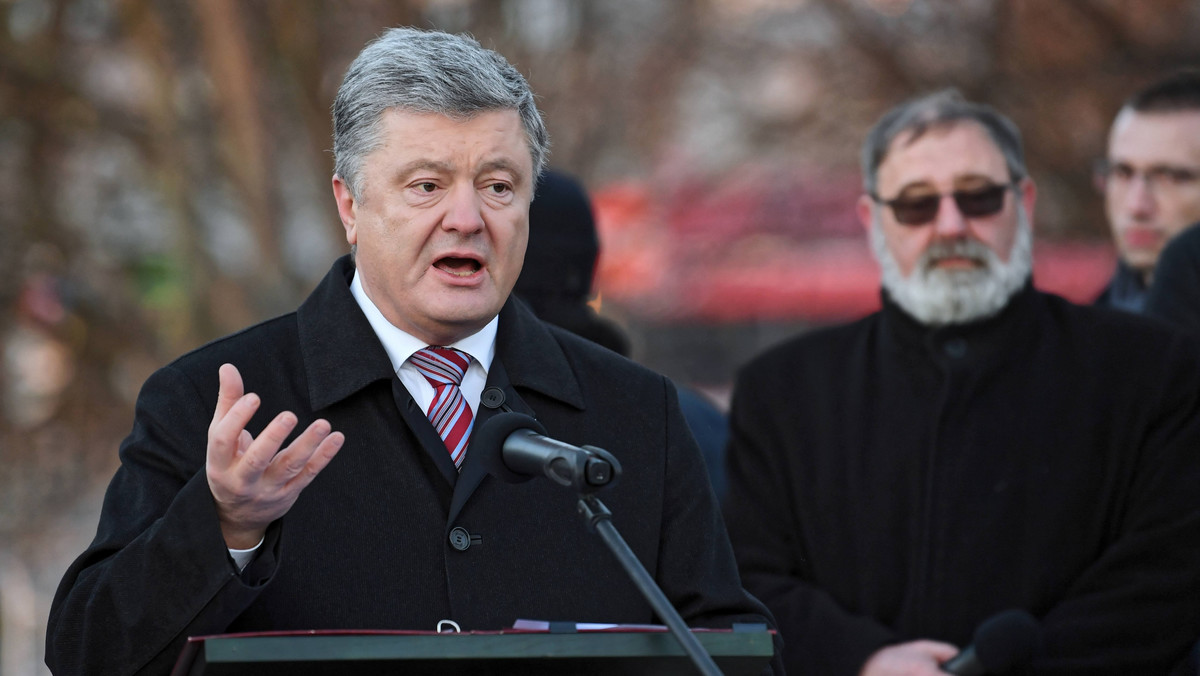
point(863, 209)
point(347, 208)
point(1027, 191)
point(1100, 178)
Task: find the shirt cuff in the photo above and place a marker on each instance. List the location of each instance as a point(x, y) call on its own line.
point(241, 557)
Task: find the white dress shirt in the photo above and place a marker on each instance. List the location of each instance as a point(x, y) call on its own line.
point(480, 346)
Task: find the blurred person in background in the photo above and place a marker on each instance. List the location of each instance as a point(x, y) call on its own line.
point(556, 283)
point(560, 262)
point(1175, 294)
point(975, 446)
point(315, 471)
point(1151, 181)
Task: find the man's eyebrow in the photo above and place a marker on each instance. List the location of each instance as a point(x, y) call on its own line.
point(423, 165)
point(916, 185)
point(1170, 166)
point(923, 184)
point(974, 178)
point(436, 167)
point(1147, 167)
point(501, 164)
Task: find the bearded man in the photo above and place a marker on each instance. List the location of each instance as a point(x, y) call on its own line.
point(975, 446)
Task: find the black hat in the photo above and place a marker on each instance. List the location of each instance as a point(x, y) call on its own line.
point(560, 261)
point(563, 247)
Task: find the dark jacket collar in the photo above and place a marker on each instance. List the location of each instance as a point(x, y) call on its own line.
point(998, 334)
point(342, 354)
point(533, 358)
point(1126, 290)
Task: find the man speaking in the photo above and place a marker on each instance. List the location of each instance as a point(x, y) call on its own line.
point(316, 470)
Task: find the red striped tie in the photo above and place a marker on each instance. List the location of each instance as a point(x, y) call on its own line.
point(444, 368)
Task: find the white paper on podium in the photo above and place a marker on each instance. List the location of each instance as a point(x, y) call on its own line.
point(543, 625)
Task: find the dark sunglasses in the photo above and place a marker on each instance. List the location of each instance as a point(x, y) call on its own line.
point(975, 203)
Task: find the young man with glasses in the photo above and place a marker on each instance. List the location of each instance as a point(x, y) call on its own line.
point(973, 447)
point(1151, 181)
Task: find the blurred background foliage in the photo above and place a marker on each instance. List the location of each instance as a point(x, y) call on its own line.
point(164, 179)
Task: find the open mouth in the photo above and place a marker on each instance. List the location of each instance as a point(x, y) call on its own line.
point(459, 267)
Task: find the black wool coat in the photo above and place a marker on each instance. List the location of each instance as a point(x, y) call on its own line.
point(890, 481)
point(367, 545)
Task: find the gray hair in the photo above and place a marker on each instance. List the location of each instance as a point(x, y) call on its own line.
point(426, 72)
point(942, 109)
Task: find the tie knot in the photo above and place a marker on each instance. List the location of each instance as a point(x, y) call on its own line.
point(441, 365)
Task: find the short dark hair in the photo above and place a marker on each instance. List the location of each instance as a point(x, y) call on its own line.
point(940, 109)
point(1179, 91)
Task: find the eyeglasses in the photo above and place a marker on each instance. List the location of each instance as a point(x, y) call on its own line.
point(1159, 178)
point(976, 203)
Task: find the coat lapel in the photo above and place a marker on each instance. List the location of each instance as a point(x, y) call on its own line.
point(341, 352)
point(342, 355)
point(425, 432)
point(474, 470)
point(533, 357)
point(527, 357)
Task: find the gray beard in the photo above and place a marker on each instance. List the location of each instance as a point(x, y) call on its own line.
point(938, 297)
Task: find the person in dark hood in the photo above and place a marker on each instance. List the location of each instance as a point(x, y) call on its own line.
point(560, 262)
point(556, 282)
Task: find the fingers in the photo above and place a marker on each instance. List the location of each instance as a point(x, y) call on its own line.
point(260, 453)
point(293, 459)
point(940, 651)
point(317, 461)
point(930, 647)
point(254, 483)
point(307, 455)
point(230, 390)
point(915, 657)
point(227, 433)
point(299, 463)
point(263, 483)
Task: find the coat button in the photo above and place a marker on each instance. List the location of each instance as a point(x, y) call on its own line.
point(492, 397)
point(955, 348)
point(460, 539)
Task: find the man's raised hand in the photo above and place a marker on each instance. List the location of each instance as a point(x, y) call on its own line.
point(252, 481)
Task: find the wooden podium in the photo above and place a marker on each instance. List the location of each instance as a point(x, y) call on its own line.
point(372, 653)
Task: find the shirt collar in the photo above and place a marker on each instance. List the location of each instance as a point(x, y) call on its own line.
point(400, 345)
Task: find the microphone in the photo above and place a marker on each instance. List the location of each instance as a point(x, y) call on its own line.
point(1002, 642)
point(515, 448)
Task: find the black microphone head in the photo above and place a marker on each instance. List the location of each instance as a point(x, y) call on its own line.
point(1007, 640)
point(487, 443)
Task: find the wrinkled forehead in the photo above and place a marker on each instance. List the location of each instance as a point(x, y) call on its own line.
point(943, 156)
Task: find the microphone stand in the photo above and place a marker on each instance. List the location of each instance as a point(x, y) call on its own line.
point(599, 520)
point(586, 473)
